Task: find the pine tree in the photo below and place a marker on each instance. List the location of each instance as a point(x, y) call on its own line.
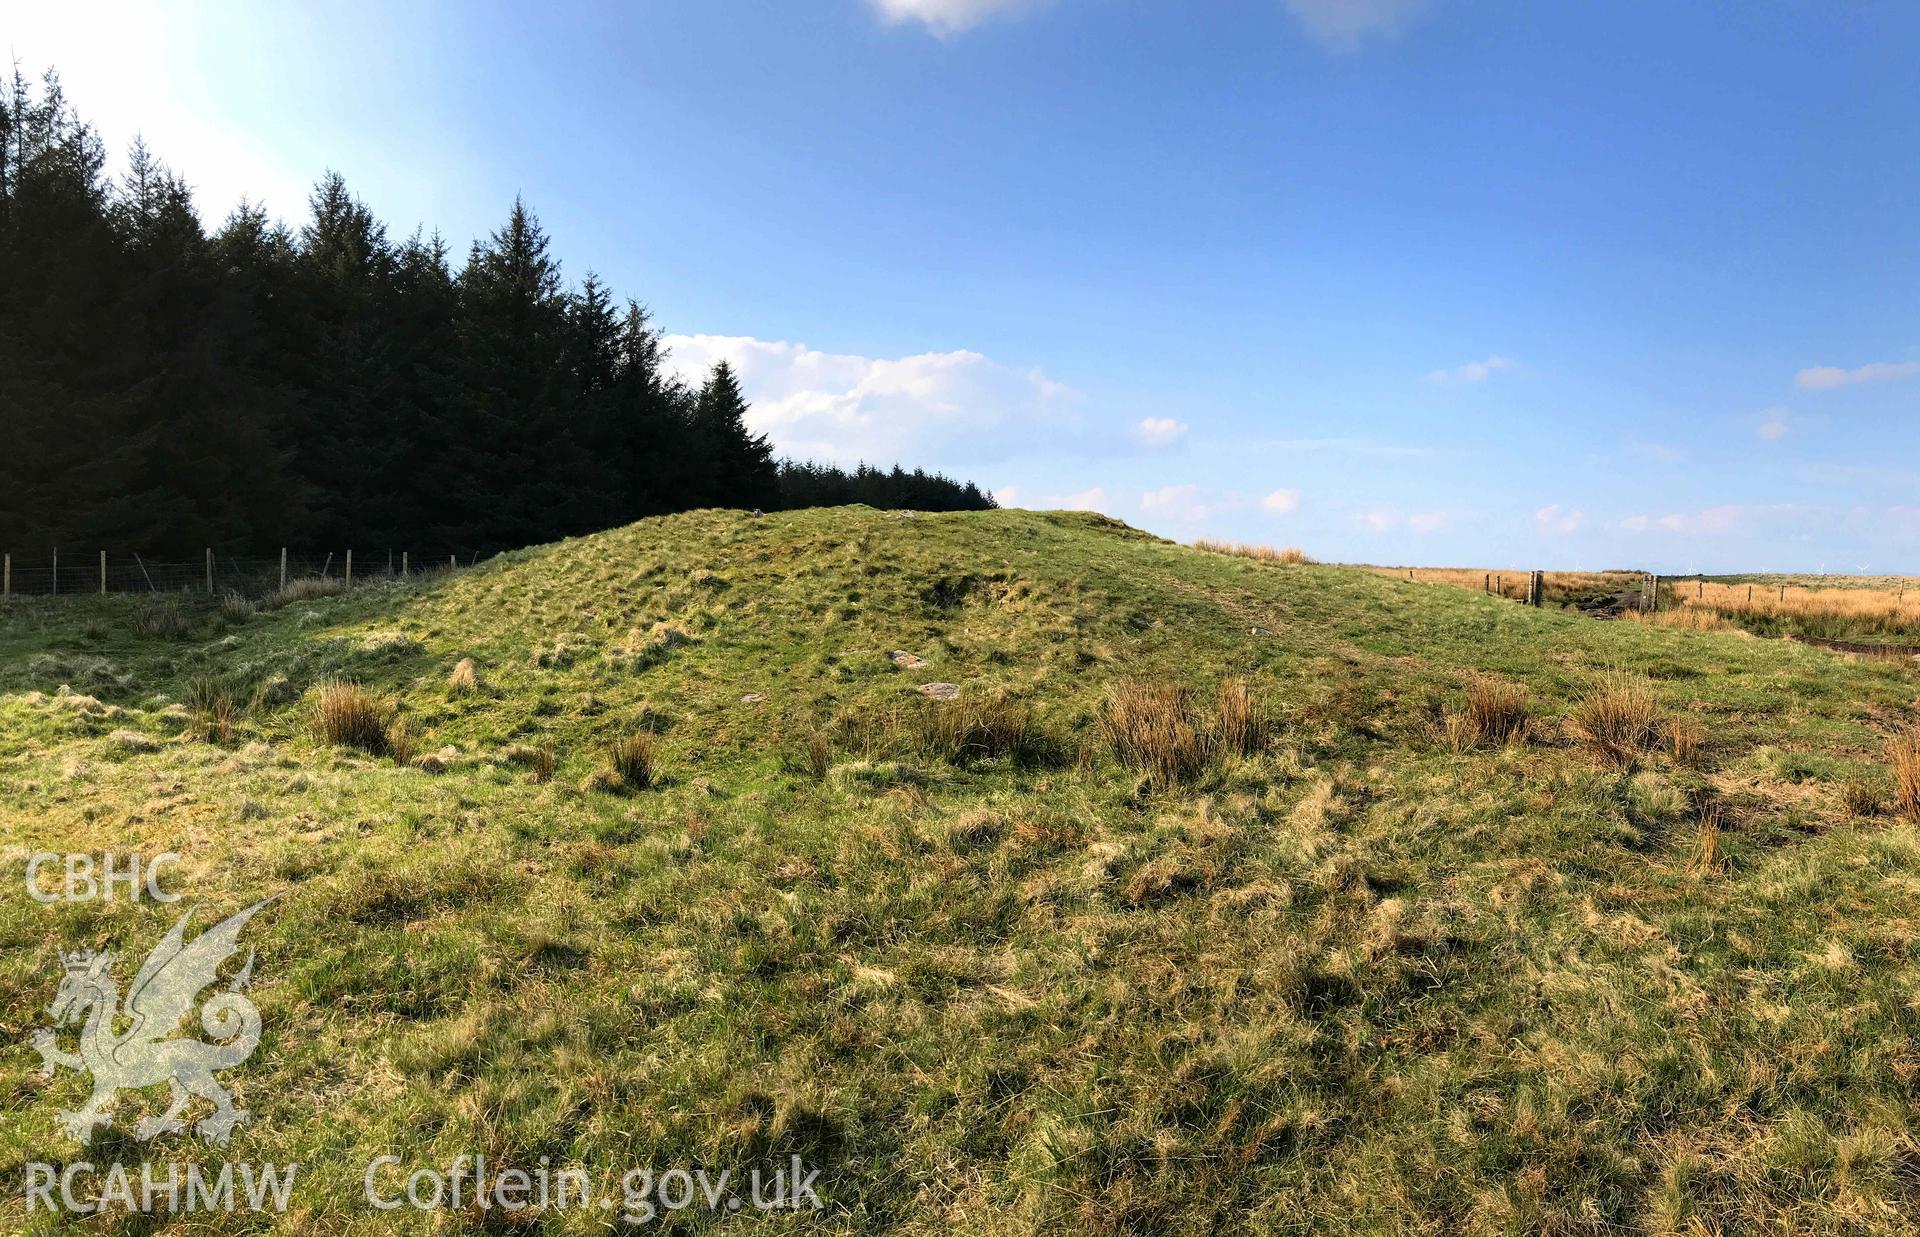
point(162, 389)
point(737, 464)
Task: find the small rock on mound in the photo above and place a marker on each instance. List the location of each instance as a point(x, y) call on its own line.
point(908, 660)
point(940, 691)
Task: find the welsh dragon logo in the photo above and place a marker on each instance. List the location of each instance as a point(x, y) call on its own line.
point(163, 993)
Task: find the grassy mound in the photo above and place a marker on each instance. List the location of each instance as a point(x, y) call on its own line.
point(1211, 892)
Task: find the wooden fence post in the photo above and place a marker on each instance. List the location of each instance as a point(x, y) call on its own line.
point(1700, 587)
point(1653, 598)
point(403, 562)
point(144, 572)
point(453, 562)
point(349, 568)
point(283, 567)
point(1749, 594)
point(8, 586)
point(209, 571)
point(56, 571)
point(103, 573)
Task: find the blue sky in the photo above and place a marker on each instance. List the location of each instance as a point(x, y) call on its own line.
point(1399, 281)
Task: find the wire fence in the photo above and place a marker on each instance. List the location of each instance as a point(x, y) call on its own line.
point(93, 573)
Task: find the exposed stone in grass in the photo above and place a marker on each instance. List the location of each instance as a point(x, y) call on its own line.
point(940, 691)
point(908, 661)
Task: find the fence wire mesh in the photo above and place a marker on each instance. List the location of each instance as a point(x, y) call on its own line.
point(83, 574)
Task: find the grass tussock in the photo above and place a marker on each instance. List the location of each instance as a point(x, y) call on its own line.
point(1493, 712)
point(464, 679)
point(345, 714)
point(212, 703)
point(1154, 730)
point(816, 754)
point(1617, 722)
point(963, 731)
point(1158, 729)
point(1862, 796)
point(236, 609)
point(1291, 556)
point(1903, 761)
point(402, 741)
point(631, 760)
point(307, 588)
point(1239, 728)
point(1686, 738)
point(161, 620)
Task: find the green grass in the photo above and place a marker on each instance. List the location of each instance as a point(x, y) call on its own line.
point(983, 974)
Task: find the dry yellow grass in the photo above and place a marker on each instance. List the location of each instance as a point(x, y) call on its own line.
point(1687, 618)
point(1239, 729)
point(1290, 555)
point(1617, 721)
point(1891, 610)
point(1903, 756)
point(348, 715)
point(465, 677)
point(1495, 712)
point(1153, 729)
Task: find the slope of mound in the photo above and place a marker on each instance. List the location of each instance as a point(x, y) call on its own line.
point(1219, 892)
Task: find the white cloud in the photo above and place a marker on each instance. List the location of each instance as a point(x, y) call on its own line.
point(1281, 502)
point(945, 17)
point(1826, 377)
point(1159, 431)
point(1343, 24)
point(1343, 446)
point(934, 410)
point(1423, 523)
point(1775, 424)
point(1472, 371)
point(1176, 502)
point(1094, 499)
point(1723, 519)
point(1557, 521)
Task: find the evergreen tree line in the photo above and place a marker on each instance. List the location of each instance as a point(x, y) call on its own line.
point(163, 388)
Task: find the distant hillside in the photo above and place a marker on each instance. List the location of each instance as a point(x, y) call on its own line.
point(1221, 895)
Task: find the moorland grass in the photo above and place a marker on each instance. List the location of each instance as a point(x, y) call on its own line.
point(1344, 980)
